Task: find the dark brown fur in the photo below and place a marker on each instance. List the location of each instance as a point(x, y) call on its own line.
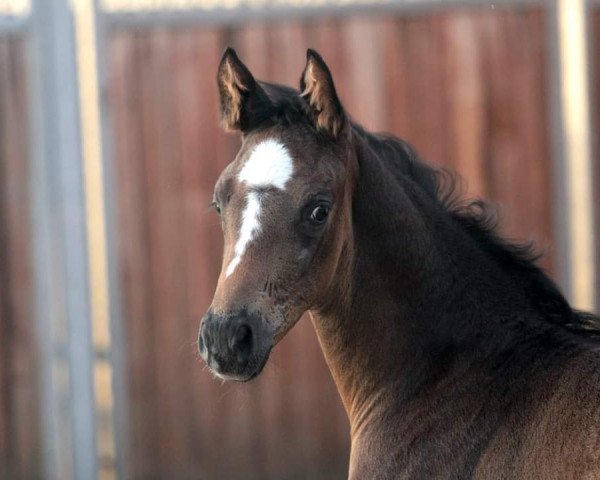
point(454, 355)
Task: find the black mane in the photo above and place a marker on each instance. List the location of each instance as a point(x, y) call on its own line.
point(476, 217)
point(480, 221)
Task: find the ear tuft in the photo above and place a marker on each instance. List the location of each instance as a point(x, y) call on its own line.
point(243, 101)
point(317, 88)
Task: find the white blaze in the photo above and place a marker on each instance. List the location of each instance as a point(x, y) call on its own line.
point(269, 165)
point(250, 227)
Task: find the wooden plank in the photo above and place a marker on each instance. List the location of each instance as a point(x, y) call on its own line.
point(366, 76)
point(24, 374)
point(6, 320)
point(466, 103)
point(426, 105)
point(535, 197)
point(126, 102)
point(394, 54)
point(166, 229)
point(20, 444)
point(256, 37)
point(518, 164)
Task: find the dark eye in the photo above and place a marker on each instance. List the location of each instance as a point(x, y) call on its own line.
point(216, 206)
point(319, 214)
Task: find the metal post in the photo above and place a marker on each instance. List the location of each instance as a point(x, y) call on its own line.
point(117, 326)
point(573, 173)
point(59, 237)
point(144, 13)
point(107, 329)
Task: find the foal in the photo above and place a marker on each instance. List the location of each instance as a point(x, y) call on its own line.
point(455, 357)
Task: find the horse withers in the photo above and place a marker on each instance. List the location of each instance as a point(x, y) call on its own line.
point(454, 355)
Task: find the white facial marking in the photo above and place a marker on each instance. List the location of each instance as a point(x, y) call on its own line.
point(250, 227)
point(269, 165)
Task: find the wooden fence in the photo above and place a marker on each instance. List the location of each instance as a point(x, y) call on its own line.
point(20, 442)
point(468, 88)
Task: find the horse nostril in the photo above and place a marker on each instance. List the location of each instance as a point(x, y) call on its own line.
point(241, 344)
point(201, 344)
point(204, 341)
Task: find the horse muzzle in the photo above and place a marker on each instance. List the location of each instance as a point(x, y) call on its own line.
point(236, 346)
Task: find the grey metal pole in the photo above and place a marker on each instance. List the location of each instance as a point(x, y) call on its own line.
point(60, 273)
point(562, 239)
point(117, 327)
point(573, 168)
point(98, 127)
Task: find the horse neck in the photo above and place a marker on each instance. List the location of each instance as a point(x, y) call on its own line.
point(414, 278)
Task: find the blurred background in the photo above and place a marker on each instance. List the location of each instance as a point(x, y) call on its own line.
point(109, 150)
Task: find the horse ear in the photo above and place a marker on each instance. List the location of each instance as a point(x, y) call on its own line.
point(243, 101)
point(316, 85)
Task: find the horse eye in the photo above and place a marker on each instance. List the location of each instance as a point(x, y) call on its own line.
point(319, 214)
point(216, 206)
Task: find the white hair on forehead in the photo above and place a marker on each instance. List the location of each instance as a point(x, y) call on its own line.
point(269, 165)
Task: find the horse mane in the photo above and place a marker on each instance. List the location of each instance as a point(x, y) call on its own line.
point(476, 217)
point(480, 221)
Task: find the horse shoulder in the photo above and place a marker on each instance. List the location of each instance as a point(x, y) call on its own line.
point(563, 438)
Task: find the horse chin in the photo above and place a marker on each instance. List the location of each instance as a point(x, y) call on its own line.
point(260, 365)
point(256, 367)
